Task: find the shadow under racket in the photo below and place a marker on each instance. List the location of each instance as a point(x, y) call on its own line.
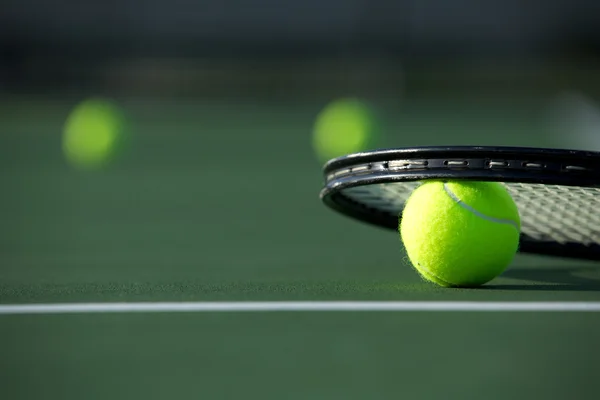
point(578, 279)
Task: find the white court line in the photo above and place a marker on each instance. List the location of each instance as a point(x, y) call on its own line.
point(295, 306)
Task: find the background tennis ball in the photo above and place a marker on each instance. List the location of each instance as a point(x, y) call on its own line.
point(93, 134)
point(460, 234)
point(343, 127)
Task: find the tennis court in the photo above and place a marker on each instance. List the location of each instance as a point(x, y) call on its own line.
point(217, 202)
point(201, 263)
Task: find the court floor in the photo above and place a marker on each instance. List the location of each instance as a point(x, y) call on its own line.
point(215, 208)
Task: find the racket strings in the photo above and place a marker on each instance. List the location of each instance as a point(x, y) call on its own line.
point(560, 213)
point(563, 214)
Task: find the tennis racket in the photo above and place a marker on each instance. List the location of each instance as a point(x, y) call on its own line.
point(557, 191)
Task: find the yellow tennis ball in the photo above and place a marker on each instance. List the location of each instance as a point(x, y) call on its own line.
point(344, 126)
point(460, 234)
point(93, 133)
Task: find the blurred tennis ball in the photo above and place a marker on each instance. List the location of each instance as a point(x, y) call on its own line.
point(345, 126)
point(94, 133)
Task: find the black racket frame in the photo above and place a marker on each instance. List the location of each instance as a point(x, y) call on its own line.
point(476, 163)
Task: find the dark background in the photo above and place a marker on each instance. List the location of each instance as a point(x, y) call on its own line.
point(283, 47)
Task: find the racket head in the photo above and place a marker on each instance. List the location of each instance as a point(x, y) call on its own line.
point(557, 191)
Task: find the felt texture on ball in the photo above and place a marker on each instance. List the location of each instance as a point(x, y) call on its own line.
point(344, 126)
point(93, 134)
point(460, 234)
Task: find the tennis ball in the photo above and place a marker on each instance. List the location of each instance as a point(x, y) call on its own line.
point(93, 134)
point(344, 126)
point(460, 234)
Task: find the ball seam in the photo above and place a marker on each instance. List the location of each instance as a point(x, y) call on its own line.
point(477, 213)
point(434, 275)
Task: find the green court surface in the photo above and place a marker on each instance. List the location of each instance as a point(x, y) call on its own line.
point(218, 201)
